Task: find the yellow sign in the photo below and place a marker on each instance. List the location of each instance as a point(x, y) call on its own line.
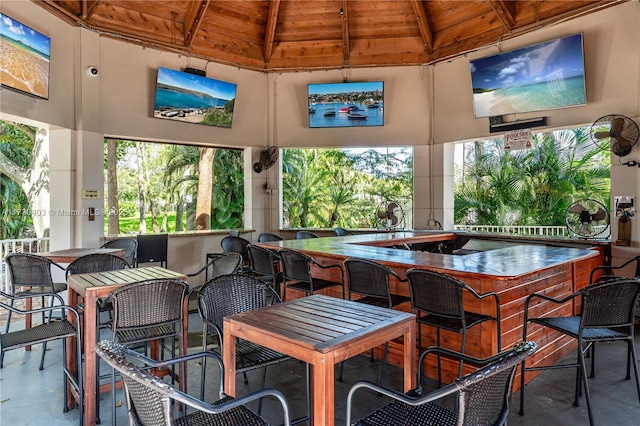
point(90, 194)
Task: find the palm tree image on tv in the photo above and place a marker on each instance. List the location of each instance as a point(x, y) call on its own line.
point(194, 99)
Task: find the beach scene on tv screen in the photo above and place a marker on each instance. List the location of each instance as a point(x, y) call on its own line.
point(544, 76)
point(194, 99)
point(24, 58)
point(355, 104)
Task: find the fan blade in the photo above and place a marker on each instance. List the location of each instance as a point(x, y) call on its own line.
point(601, 135)
point(623, 142)
point(394, 220)
point(381, 214)
point(600, 214)
point(576, 209)
point(617, 124)
point(391, 207)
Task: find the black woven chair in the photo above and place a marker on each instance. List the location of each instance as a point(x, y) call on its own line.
point(265, 266)
point(232, 294)
point(30, 277)
point(218, 265)
point(483, 397)
point(237, 245)
point(341, 232)
point(150, 399)
point(296, 273)
point(303, 235)
point(266, 237)
point(437, 300)
point(606, 314)
point(148, 311)
point(370, 281)
point(610, 271)
point(46, 332)
point(130, 247)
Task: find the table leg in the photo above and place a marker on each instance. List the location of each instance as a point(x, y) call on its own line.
point(90, 358)
point(27, 321)
point(229, 360)
point(71, 346)
point(410, 357)
point(322, 383)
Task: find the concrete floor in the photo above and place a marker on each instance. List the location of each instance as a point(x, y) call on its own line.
point(32, 397)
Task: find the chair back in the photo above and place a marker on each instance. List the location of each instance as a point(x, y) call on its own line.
point(341, 232)
point(265, 237)
point(148, 397)
point(262, 260)
point(368, 278)
point(129, 245)
point(484, 395)
point(225, 264)
point(97, 262)
point(303, 235)
point(236, 245)
point(436, 293)
point(26, 270)
point(148, 304)
point(610, 303)
point(231, 294)
point(295, 265)
point(608, 271)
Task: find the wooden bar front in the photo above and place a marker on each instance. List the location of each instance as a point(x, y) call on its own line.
point(512, 270)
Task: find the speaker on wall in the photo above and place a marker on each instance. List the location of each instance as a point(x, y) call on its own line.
point(201, 73)
point(516, 125)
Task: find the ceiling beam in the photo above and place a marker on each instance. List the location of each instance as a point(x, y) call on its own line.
point(193, 20)
point(506, 11)
point(345, 31)
point(423, 24)
point(270, 29)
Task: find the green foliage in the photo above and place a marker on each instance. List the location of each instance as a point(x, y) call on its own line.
point(529, 187)
point(217, 117)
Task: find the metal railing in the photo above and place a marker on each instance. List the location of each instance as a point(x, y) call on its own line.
point(23, 245)
point(547, 231)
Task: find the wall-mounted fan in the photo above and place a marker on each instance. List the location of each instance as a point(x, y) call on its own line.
point(389, 215)
point(268, 158)
point(588, 218)
point(617, 131)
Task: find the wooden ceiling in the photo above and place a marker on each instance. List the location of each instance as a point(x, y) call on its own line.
point(289, 35)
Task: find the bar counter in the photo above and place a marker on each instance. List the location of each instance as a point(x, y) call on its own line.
point(512, 269)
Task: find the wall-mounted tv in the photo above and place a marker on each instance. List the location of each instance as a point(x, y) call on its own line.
point(24, 58)
point(543, 76)
point(352, 104)
point(192, 98)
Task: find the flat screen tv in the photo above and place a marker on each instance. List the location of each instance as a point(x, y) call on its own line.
point(352, 104)
point(192, 98)
point(24, 58)
point(543, 76)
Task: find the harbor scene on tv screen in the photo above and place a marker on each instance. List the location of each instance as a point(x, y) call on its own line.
point(24, 58)
point(352, 104)
point(547, 75)
point(194, 99)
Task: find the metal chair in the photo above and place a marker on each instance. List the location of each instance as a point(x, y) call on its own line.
point(606, 314)
point(30, 277)
point(437, 300)
point(46, 332)
point(150, 399)
point(148, 311)
point(296, 273)
point(303, 235)
point(265, 237)
point(341, 232)
point(130, 247)
point(483, 397)
point(220, 264)
point(265, 266)
point(232, 294)
point(237, 245)
point(370, 281)
point(609, 270)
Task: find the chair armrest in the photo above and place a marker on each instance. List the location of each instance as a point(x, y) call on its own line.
point(207, 265)
point(611, 268)
point(28, 296)
point(315, 262)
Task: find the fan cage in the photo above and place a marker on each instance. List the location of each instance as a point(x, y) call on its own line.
point(582, 224)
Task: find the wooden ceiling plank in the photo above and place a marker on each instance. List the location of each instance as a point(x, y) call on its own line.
point(423, 24)
point(345, 30)
point(506, 11)
point(193, 20)
point(270, 29)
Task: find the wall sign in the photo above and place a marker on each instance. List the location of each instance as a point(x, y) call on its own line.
point(90, 194)
point(517, 139)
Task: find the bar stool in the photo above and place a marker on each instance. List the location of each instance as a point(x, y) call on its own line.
point(437, 300)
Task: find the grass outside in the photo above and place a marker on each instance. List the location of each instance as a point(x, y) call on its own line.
point(131, 225)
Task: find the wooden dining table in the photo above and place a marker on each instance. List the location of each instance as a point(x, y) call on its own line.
point(91, 287)
point(69, 255)
point(321, 331)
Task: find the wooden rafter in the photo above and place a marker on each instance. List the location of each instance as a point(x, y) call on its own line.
point(193, 20)
point(345, 30)
point(506, 11)
point(270, 29)
point(423, 24)
point(88, 6)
